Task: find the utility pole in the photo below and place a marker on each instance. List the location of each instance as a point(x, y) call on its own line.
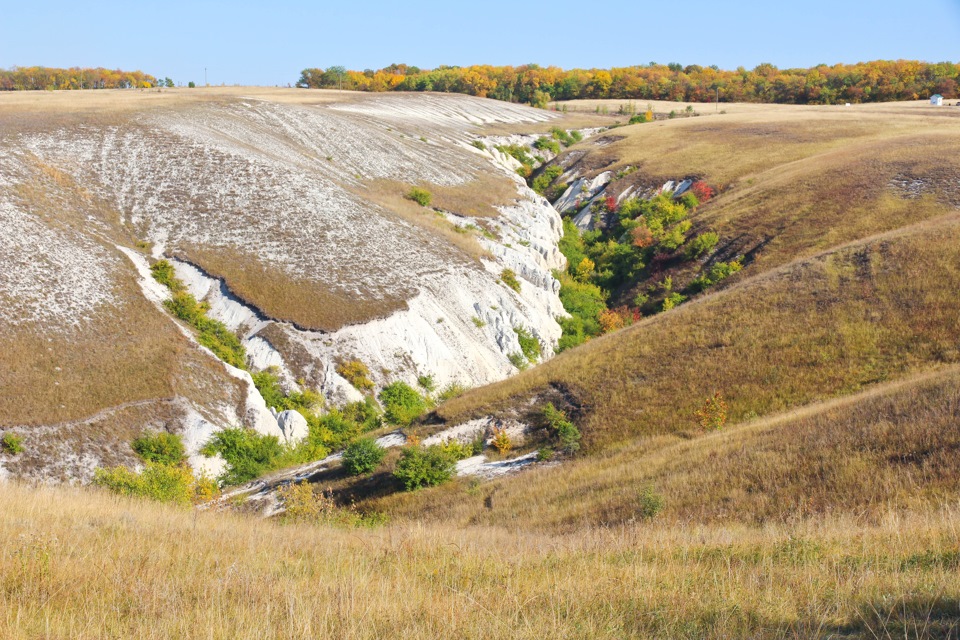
point(718, 98)
point(205, 83)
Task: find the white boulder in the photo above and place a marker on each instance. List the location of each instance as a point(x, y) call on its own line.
point(293, 426)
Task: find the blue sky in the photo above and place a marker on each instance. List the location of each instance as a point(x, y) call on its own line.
point(265, 43)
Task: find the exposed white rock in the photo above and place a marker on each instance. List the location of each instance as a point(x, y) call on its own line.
point(481, 467)
point(223, 306)
point(581, 191)
point(197, 431)
point(293, 426)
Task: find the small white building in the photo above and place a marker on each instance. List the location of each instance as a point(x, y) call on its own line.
point(936, 99)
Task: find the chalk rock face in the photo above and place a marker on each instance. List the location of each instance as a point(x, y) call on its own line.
point(293, 426)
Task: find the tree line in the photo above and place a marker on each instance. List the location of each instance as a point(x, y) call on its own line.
point(876, 81)
point(49, 78)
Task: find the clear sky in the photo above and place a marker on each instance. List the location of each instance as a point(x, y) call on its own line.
point(268, 43)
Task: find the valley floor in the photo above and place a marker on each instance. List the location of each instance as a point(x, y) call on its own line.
point(80, 564)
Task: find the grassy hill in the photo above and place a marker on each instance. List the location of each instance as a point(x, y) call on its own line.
point(827, 506)
point(835, 348)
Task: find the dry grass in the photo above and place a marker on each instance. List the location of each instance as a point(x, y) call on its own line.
point(892, 447)
point(128, 353)
point(77, 564)
point(306, 303)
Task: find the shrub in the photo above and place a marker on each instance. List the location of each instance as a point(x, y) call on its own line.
point(212, 334)
point(458, 450)
point(362, 456)
point(248, 453)
point(267, 383)
point(689, 201)
point(547, 144)
point(702, 244)
point(12, 444)
point(509, 278)
point(401, 403)
point(548, 175)
point(702, 190)
point(479, 145)
point(563, 136)
point(501, 440)
point(426, 382)
point(519, 153)
point(164, 273)
point(638, 119)
point(478, 323)
point(518, 360)
point(420, 196)
point(161, 447)
point(451, 391)
point(160, 482)
point(304, 505)
point(365, 413)
point(529, 345)
point(717, 272)
point(566, 432)
point(713, 413)
point(331, 430)
point(649, 503)
point(672, 301)
point(356, 373)
point(424, 467)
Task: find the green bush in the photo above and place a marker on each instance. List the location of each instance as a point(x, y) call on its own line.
point(519, 153)
point(420, 196)
point(546, 144)
point(160, 482)
point(649, 503)
point(267, 383)
point(356, 373)
point(548, 175)
point(402, 404)
point(427, 383)
point(424, 467)
point(164, 273)
point(479, 145)
point(509, 278)
point(161, 447)
point(518, 360)
point(702, 244)
point(12, 444)
point(212, 334)
point(529, 345)
point(672, 300)
point(567, 434)
point(332, 430)
point(458, 450)
point(451, 391)
point(366, 413)
point(689, 200)
point(638, 119)
point(362, 456)
point(248, 453)
point(559, 134)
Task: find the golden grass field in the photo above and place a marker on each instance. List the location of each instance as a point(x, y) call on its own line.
point(78, 564)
